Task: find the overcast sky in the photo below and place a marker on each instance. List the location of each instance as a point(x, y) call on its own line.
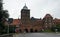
point(38, 8)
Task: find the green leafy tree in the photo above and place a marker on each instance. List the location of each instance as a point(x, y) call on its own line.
point(12, 29)
point(58, 27)
point(3, 16)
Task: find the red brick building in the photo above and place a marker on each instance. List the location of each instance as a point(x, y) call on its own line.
point(27, 24)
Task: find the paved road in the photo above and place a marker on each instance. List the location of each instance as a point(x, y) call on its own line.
point(38, 35)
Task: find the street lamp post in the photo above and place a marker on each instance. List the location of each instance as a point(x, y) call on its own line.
point(8, 28)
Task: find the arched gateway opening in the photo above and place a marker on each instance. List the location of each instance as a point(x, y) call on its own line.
point(31, 30)
point(20, 30)
point(26, 30)
point(36, 30)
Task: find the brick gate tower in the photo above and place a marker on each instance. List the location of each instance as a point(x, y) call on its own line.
point(25, 15)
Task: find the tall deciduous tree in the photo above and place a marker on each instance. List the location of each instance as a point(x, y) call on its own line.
point(3, 16)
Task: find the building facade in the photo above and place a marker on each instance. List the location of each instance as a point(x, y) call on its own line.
point(27, 24)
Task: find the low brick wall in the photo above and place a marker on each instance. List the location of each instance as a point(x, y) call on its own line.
point(7, 35)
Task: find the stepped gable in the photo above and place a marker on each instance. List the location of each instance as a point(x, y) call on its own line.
point(48, 16)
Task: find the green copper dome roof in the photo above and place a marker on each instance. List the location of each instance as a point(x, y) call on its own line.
point(25, 7)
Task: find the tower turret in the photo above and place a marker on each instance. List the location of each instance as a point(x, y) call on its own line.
point(25, 14)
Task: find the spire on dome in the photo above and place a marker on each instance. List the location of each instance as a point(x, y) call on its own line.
point(25, 4)
point(25, 7)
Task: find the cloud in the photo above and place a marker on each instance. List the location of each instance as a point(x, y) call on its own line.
point(38, 7)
